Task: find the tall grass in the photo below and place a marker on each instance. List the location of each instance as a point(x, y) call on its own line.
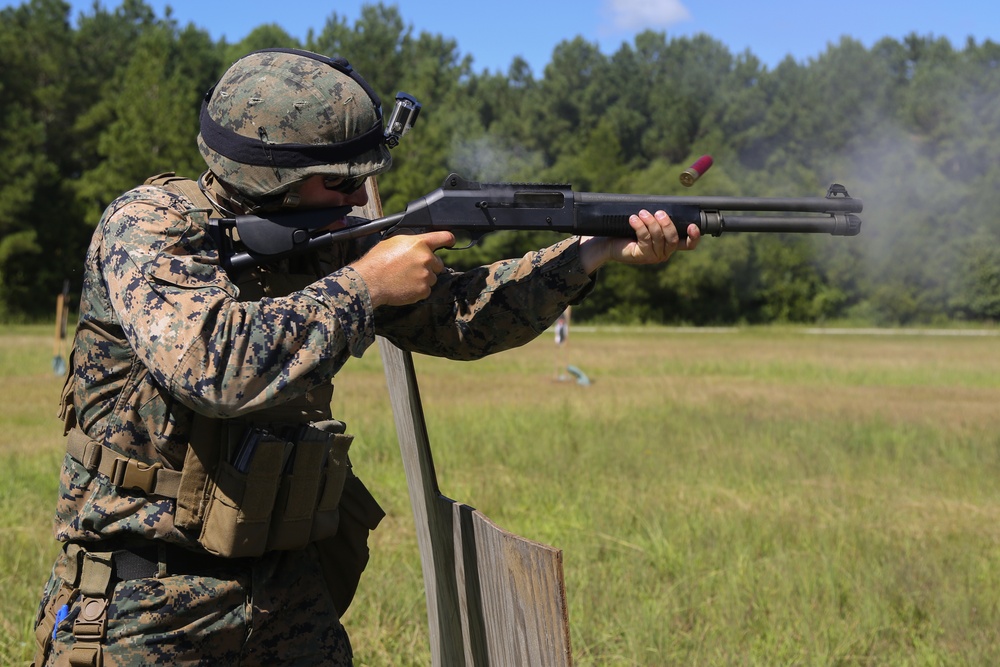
point(752, 497)
point(29, 463)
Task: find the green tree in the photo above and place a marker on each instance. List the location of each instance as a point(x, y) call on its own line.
point(379, 45)
point(912, 126)
point(35, 41)
point(569, 100)
point(155, 107)
point(267, 36)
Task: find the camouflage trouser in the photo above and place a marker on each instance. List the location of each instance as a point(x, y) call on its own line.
point(273, 611)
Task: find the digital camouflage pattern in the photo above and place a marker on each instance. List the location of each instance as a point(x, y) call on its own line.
point(164, 333)
point(152, 278)
point(272, 615)
point(293, 100)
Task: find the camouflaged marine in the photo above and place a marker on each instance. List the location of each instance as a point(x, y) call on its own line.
point(207, 488)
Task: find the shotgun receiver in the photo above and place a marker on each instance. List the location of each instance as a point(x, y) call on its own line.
point(476, 209)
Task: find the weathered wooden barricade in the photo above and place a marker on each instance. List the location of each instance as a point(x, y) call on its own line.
point(493, 598)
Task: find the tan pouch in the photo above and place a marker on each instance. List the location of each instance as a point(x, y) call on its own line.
point(308, 499)
point(344, 556)
point(326, 521)
point(237, 517)
point(204, 450)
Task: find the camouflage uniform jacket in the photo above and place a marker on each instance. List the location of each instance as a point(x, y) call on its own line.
point(163, 335)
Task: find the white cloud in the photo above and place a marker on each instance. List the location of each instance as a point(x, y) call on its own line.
point(645, 14)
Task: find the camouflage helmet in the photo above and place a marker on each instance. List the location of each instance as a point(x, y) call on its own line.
point(279, 116)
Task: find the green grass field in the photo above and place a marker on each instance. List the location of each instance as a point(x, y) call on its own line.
point(748, 497)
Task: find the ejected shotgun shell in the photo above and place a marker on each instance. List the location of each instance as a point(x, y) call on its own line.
point(695, 171)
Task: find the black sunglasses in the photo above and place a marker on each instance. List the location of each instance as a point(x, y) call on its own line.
point(344, 185)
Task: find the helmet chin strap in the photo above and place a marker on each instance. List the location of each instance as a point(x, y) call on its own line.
point(210, 186)
point(225, 197)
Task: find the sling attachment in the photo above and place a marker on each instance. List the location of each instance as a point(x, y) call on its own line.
point(124, 472)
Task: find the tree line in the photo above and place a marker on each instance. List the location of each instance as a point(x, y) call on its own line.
point(92, 105)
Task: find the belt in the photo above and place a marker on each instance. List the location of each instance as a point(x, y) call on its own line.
point(142, 562)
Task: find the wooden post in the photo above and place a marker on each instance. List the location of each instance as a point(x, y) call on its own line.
point(493, 598)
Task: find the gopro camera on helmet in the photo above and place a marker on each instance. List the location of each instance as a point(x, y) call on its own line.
point(403, 116)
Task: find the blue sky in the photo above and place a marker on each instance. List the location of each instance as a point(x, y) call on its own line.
point(495, 32)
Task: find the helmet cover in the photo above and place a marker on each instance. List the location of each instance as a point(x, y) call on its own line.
point(277, 117)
